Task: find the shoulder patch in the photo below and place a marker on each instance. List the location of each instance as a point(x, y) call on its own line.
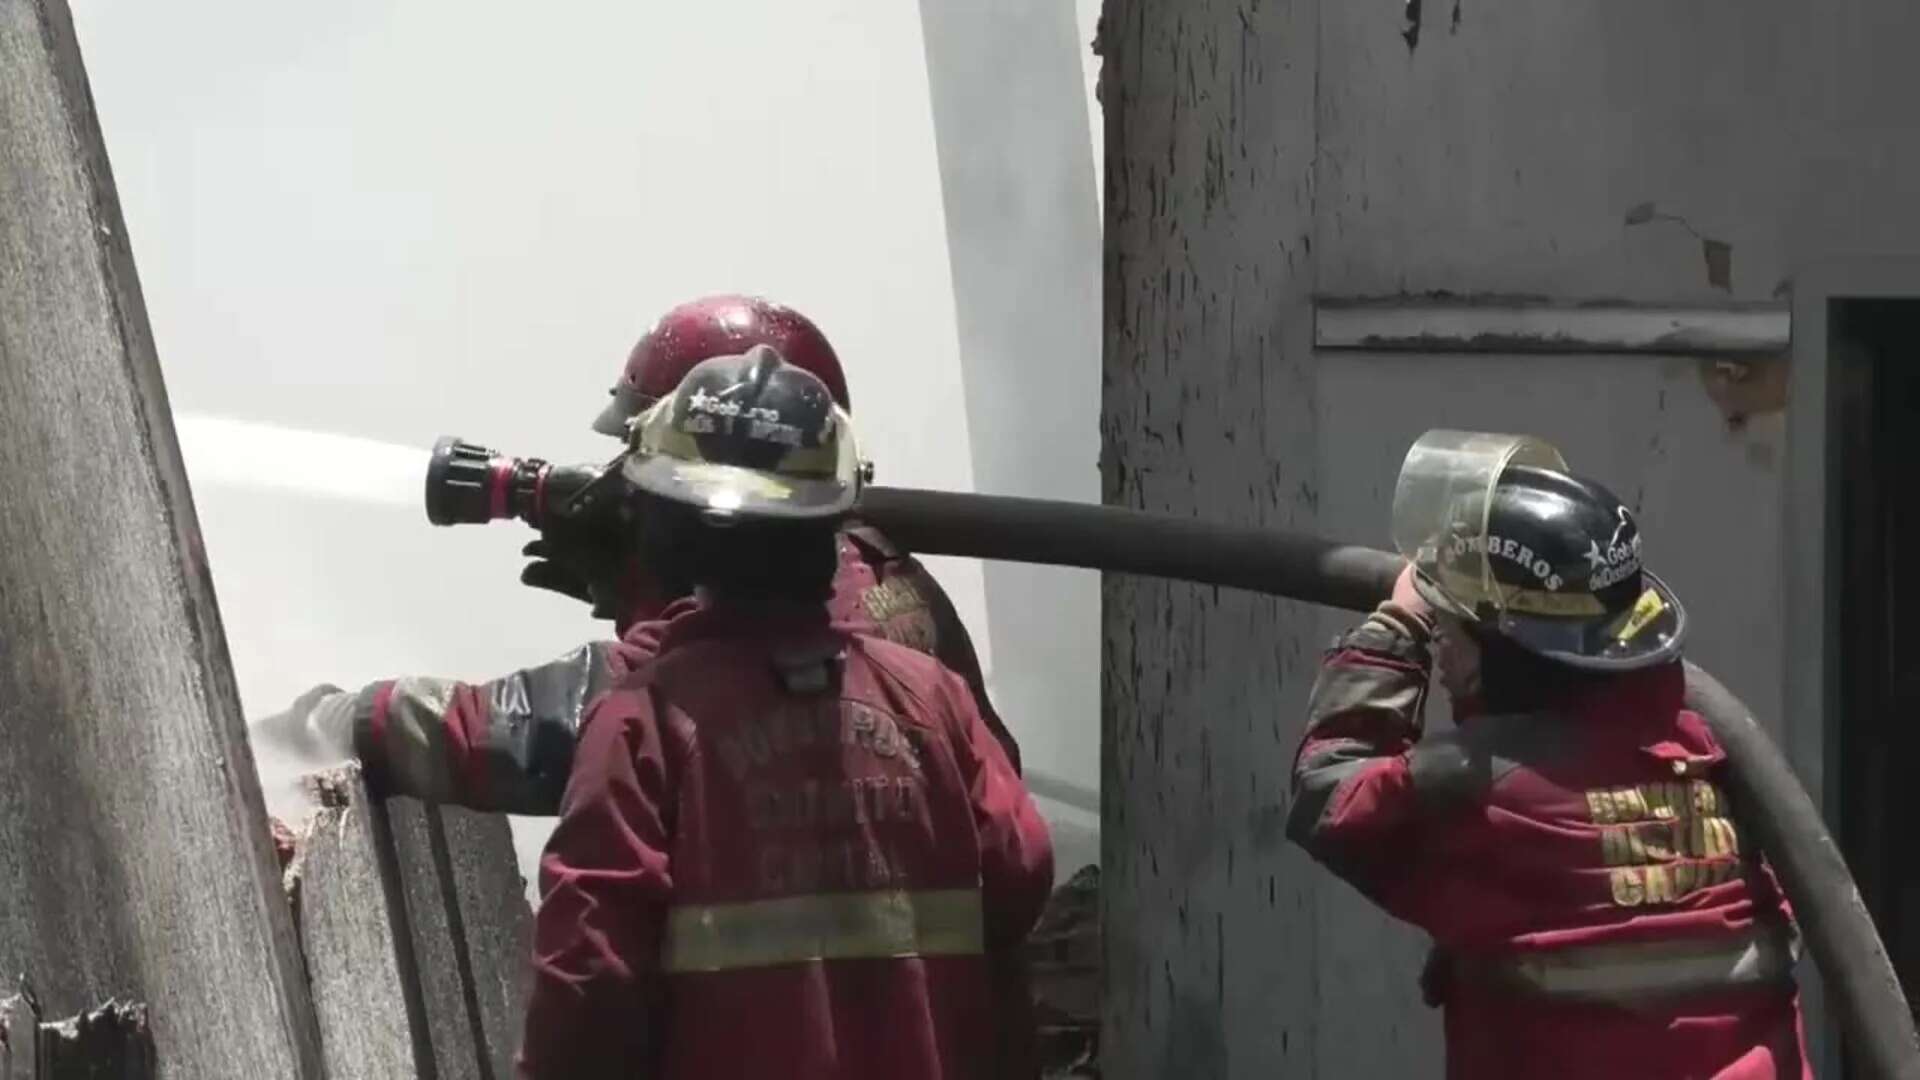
point(900, 613)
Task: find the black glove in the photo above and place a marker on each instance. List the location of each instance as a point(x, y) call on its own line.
point(576, 562)
point(547, 571)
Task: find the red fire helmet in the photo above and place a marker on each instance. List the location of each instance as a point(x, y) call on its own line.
point(725, 325)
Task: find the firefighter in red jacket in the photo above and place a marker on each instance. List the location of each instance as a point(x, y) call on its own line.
point(785, 848)
point(506, 745)
point(1569, 845)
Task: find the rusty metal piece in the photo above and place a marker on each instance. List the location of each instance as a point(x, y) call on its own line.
point(1743, 387)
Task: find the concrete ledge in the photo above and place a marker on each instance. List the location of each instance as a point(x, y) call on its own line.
point(1522, 326)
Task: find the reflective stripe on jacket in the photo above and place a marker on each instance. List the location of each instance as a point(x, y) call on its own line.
point(874, 924)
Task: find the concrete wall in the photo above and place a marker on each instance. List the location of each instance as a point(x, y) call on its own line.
point(1263, 152)
point(1009, 108)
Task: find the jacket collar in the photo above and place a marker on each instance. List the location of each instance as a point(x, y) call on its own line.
point(691, 619)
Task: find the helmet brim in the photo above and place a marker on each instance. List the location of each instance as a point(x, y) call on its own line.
point(1589, 644)
point(1646, 635)
point(730, 489)
point(619, 413)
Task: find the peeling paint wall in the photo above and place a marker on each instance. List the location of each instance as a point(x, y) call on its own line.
point(1262, 152)
point(1509, 156)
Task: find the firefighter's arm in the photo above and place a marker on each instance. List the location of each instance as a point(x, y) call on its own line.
point(1016, 854)
point(503, 745)
point(605, 879)
point(953, 647)
point(1353, 781)
point(1016, 878)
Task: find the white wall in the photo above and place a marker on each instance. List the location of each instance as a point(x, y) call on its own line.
point(1010, 119)
point(363, 225)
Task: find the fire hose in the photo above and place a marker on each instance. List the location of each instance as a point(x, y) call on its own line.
point(467, 483)
point(1836, 927)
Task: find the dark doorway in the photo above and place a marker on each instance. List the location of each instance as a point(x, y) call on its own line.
point(1874, 351)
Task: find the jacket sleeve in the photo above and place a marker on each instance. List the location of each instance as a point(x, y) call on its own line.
point(1016, 854)
point(605, 879)
point(505, 745)
point(1354, 790)
point(953, 647)
point(926, 621)
point(1016, 878)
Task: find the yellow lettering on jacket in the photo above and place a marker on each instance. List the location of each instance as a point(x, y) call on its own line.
point(1659, 885)
point(901, 613)
point(1684, 875)
point(1662, 842)
point(1628, 890)
point(891, 598)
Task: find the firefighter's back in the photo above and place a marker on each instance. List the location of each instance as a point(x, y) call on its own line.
point(827, 911)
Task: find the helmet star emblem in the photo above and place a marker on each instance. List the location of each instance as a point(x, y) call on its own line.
point(1595, 559)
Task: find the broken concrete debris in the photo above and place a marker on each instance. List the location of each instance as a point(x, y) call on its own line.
point(111, 1042)
point(416, 934)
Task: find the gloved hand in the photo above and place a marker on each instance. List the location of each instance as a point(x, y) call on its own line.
point(317, 728)
point(1408, 599)
point(547, 571)
point(313, 734)
point(577, 561)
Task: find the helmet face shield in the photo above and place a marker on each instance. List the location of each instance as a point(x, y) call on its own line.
point(1441, 506)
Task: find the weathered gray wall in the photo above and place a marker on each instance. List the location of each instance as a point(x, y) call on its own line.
point(134, 855)
point(1208, 408)
point(1500, 155)
point(416, 932)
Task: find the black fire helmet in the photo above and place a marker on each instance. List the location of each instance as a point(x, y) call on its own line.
point(748, 436)
point(1552, 563)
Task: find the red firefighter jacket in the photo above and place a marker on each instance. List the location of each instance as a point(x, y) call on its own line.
point(785, 850)
point(506, 745)
point(1596, 909)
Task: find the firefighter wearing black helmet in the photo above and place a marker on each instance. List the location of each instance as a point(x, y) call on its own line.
point(1568, 844)
point(785, 848)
